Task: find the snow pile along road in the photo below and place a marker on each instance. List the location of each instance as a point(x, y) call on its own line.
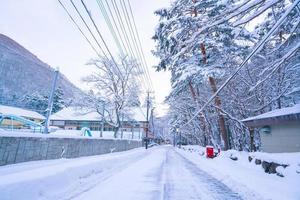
point(158, 173)
point(161, 172)
point(243, 176)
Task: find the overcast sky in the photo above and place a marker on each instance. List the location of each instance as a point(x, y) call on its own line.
point(43, 28)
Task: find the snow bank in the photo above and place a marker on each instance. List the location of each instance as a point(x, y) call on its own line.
point(242, 176)
point(71, 134)
point(61, 178)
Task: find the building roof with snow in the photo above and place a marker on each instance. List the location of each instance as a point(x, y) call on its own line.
point(277, 116)
point(85, 114)
point(9, 110)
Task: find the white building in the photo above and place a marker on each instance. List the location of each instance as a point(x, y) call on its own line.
point(279, 129)
point(76, 118)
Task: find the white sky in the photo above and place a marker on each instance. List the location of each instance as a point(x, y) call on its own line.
point(43, 28)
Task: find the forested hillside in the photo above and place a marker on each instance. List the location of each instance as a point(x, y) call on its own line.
point(23, 76)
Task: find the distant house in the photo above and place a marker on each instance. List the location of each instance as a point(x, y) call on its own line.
point(19, 118)
point(75, 118)
point(279, 129)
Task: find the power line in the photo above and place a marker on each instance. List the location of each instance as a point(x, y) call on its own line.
point(102, 39)
point(134, 41)
point(133, 48)
point(87, 26)
point(257, 48)
point(115, 34)
point(139, 40)
point(115, 24)
point(145, 79)
point(78, 27)
point(120, 21)
point(109, 24)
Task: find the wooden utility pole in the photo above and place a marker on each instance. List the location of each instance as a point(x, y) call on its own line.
point(147, 120)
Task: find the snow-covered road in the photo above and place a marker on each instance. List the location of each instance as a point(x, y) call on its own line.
point(158, 173)
point(161, 174)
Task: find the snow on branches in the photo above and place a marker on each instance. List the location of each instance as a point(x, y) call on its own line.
point(203, 42)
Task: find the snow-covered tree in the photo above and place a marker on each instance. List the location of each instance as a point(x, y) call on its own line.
point(203, 42)
point(115, 85)
point(39, 103)
point(198, 62)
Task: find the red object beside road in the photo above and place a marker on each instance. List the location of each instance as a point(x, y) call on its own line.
point(210, 152)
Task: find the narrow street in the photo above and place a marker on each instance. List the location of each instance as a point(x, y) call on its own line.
point(162, 174)
point(157, 173)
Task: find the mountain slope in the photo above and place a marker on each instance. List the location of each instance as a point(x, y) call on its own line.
point(22, 73)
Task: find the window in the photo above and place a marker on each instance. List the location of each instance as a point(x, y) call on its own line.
point(265, 130)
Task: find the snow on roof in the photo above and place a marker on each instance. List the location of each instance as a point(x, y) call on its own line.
point(85, 114)
point(137, 114)
point(76, 114)
point(9, 110)
point(276, 113)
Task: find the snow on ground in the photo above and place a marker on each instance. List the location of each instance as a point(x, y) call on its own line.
point(62, 178)
point(156, 173)
point(243, 176)
point(71, 134)
point(161, 172)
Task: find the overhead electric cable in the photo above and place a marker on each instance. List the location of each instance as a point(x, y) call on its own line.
point(127, 40)
point(116, 35)
point(109, 24)
point(87, 26)
point(256, 49)
point(134, 40)
point(138, 37)
point(78, 27)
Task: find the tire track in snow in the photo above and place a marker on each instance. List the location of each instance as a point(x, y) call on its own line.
point(184, 180)
point(217, 189)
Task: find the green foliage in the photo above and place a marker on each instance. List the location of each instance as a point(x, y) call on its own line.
point(39, 103)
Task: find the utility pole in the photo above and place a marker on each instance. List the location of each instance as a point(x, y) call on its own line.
point(178, 131)
point(179, 139)
point(174, 139)
point(50, 102)
point(147, 123)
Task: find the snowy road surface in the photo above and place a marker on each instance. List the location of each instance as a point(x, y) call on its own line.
point(161, 174)
point(158, 173)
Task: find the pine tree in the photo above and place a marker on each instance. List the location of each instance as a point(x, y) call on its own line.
point(198, 63)
point(202, 43)
point(39, 103)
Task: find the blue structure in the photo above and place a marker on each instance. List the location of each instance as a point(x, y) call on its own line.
point(86, 132)
point(26, 122)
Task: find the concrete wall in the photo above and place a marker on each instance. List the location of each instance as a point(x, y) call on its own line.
point(22, 149)
point(283, 138)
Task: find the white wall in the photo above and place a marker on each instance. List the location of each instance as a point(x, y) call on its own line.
point(283, 138)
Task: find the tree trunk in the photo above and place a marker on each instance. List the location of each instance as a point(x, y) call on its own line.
point(202, 121)
point(221, 117)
